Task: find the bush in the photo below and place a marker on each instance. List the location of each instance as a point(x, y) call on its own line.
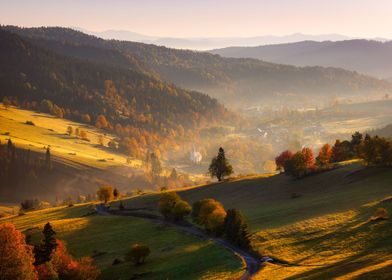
point(138, 254)
point(181, 209)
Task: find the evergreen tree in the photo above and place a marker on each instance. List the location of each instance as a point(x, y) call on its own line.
point(236, 229)
point(48, 244)
point(156, 167)
point(220, 166)
point(48, 161)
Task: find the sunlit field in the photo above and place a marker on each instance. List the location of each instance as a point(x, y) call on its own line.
point(51, 131)
point(107, 238)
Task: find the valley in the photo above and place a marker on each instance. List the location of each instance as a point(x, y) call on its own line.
point(126, 156)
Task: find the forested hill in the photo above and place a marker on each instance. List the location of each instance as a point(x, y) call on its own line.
point(123, 96)
point(365, 56)
point(232, 80)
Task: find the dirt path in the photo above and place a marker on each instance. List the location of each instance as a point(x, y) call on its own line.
point(253, 264)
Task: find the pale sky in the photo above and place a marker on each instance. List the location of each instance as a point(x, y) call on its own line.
point(207, 18)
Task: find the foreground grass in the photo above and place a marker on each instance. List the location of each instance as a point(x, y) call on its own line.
point(344, 245)
point(51, 131)
point(174, 255)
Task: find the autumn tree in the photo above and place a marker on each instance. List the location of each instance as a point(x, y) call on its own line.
point(181, 209)
point(102, 122)
point(210, 214)
point(376, 151)
point(220, 166)
point(309, 158)
point(296, 166)
point(16, 257)
point(282, 160)
point(138, 254)
point(341, 151)
point(85, 118)
point(105, 193)
point(325, 155)
point(172, 207)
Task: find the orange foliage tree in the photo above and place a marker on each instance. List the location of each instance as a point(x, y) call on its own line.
point(16, 257)
point(325, 155)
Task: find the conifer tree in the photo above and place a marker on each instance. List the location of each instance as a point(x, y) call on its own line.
point(44, 250)
point(236, 229)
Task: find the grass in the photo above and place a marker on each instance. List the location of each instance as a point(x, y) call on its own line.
point(175, 255)
point(51, 131)
point(323, 233)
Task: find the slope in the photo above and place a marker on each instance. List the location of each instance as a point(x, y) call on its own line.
point(124, 96)
point(319, 225)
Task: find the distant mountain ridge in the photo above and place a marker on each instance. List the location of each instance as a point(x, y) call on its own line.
point(236, 82)
point(365, 56)
point(207, 43)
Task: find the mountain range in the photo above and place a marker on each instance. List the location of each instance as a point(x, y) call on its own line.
point(233, 81)
point(365, 56)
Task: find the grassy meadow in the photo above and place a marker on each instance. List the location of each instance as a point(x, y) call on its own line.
point(174, 255)
point(320, 225)
point(51, 131)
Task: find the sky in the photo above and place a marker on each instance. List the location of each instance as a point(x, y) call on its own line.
point(207, 18)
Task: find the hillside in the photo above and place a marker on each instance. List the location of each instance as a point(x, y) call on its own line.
point(108, 238)
point(234, 81)
point(365, 56)
point(80, 166)
point(124, 96)
point(323, 231)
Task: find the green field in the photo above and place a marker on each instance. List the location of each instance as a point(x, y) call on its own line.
point(51, 131)
point(174, 255)
point(323, 233)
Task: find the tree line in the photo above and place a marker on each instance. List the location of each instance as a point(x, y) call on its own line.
point(374, 151)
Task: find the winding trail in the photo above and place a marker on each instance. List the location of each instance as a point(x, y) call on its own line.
point(253, 264)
